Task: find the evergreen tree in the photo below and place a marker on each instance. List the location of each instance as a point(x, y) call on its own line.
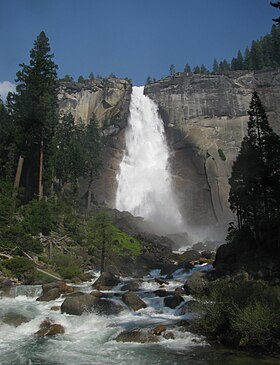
point(196, 70)
point(172, 70)
point(69, 161)
point(257, 55)
point(91, 76)
point(149, 80)
point(203, 70)
point(81, 79)
point(239, 61)
point(215, 67)
point(233, 65)
point(276, 5)
point(7, 144)
point(255, 180)
point(34, 110)
point(93, 146)
point(247, 62)
point(67, 78)
point(187, 69)
point(226, 66)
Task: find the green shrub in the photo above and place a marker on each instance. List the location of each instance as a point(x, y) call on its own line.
point(37, 217)
point(67, 266)
point(247, 310)
point(222, 154)
point(256, 324)
point(15, 236)
point(20, 267)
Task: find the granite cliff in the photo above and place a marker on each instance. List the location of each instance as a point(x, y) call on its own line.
point(205, 117)
point(109, 100)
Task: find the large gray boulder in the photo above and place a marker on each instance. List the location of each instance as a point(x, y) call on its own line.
point(197, 283)
point(79, 304)
point(106, 281)
point(133, 301)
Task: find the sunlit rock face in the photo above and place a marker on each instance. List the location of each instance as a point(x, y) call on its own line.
point(206, 119)
point(109, 100)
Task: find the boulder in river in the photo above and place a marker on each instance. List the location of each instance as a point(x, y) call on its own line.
point(52, 291)
point(51, 294)
point(131, 286)
point(47, 328)
point(173, 301)
point(137, 336)
point(106, 281)
point(88, 303)
point(197, 283)
point(133, 301)
point(14, 319)
point(159, 329)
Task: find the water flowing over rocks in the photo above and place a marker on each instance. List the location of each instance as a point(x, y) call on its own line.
point(206, 118)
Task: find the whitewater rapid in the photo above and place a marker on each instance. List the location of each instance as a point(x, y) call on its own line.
point(144, 179)
point(89, 339)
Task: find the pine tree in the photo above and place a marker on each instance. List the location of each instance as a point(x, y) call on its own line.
point(172, 70)
point(34, 109)
point(239, 61)
point(69, 157)
point(216, 67)
point(91, 76)
point(93, 146)
point(196, 70)
point(247, 62)
point(187, 69)
point(203, 70)
point(149, 80)
point(255, 180)
point(81, 79)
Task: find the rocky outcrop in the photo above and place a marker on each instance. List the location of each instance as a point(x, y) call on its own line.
point(109, 100)
point(206, 119)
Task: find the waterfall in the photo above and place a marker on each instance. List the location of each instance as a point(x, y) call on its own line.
point(144, 179)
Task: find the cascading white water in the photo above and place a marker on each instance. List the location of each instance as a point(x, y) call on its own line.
point(144, 180)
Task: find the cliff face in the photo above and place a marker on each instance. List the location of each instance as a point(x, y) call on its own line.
point(109, 100)
point(206, 119)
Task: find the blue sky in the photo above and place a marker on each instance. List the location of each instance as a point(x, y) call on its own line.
point(130, 38)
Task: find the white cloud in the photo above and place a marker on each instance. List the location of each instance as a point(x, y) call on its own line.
point(5, 87)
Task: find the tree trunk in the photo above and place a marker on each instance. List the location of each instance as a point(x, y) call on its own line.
point(18, 176)
point(102, 264)
point(89, 193)
point(40, 190)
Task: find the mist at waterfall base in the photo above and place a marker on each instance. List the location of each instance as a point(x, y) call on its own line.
point(144, 179)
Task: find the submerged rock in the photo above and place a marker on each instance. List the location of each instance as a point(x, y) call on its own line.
point(159, 329)
point(131, 286)
point(133, 301)
point(47, 328)
point(161, 281)
point(137, 336)
point(14, 319)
